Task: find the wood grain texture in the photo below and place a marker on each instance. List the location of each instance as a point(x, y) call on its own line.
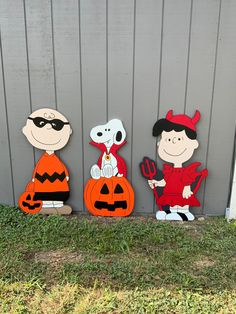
point(222, 126)
point(146, 82)
point(93, 56)
point(120, 34)
point(6, 182)
point(65, 17)
point(38, 19)
point(17, 91)
point(204, 30)
point(177, 18)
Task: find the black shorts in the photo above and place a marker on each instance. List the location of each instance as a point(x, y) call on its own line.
point(52, 196)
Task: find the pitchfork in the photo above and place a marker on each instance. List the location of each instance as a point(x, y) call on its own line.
point(149, 170)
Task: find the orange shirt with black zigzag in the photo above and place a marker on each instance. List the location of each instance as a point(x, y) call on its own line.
point(50, 175)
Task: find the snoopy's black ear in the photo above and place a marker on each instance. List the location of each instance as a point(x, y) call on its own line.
point(118, 136)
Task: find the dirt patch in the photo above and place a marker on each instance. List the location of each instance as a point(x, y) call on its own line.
point(204, 262)
point(58, 257)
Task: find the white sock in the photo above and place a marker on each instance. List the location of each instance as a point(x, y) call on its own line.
point(47, 204)
point(57, 204)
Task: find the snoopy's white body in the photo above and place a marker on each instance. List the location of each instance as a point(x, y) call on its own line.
point(110, 133)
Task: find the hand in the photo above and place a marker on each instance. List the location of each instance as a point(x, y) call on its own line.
point(33, 179)
point(152, 183)
point(187, 192)
point(67, 178)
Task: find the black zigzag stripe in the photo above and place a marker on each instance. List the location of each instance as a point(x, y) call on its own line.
point(55, 176)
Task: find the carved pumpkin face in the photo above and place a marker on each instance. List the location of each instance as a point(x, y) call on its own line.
point(28, 204)
point(109, 197)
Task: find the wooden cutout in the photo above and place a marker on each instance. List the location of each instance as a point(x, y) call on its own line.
point(176, 144)
point(49, 130)
point(109, 196)
point(108, 192)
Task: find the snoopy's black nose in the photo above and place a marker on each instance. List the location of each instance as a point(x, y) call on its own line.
point(99, 134)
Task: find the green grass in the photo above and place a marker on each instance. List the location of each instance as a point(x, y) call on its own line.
point(131, 265)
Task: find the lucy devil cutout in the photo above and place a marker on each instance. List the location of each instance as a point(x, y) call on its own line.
point(176, 186)
point(108, 192)
point(49, 130)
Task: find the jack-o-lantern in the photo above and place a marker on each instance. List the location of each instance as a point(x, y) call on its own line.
point(27, 201)
point(109, 196)
point(28, 204)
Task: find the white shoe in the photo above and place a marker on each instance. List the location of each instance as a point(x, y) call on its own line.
point(95, 172)
point(180, 216)
point(190, 216)
point(174, 216)
point(161, 215)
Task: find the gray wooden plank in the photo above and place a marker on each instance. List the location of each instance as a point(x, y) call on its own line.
point(17, 90)
point(120, 30)
point(6, 184)
point(222, 129)
point(93, 55)
point(146, 82)
point(174, 61)
point(40, 49)
point(67, 69)
point(40, 55)
point(201, 74)
point(174, 55)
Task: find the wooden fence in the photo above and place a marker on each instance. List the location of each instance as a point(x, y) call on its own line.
point(131, 59)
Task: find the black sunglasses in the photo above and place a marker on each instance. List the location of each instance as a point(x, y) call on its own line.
point(55, 123)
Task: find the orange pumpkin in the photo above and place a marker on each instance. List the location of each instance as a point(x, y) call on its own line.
point(109, 196)
point(28, 204)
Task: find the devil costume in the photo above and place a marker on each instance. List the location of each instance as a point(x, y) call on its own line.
point(176, 179)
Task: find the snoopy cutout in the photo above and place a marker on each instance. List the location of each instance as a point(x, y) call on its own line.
point(109, 138)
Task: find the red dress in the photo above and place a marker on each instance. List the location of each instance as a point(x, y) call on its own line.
point(176, 179)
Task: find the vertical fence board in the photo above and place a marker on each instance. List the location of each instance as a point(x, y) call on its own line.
point(6, 191)
point(17, 90)
point(40, 53)
point(120, 29)
point(201, 73)
point(40, 49)
point(222, 128)
point(93, 55)
point(174, 55)
point(146, 82)
point(67, 70)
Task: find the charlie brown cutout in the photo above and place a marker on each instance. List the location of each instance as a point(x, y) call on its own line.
point(176, 144)
point(48, 130)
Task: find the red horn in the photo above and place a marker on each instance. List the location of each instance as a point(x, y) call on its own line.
point(196, 117)
point(169, 115)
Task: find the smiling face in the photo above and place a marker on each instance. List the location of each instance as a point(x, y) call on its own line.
point(176, 147)
point(47, 129)
point(109, 133)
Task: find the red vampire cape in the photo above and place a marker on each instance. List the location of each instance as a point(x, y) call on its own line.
point(113, 150)
point(176, 179)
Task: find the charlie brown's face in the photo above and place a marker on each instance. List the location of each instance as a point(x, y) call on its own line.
point(176, 147)
point(47, 129)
